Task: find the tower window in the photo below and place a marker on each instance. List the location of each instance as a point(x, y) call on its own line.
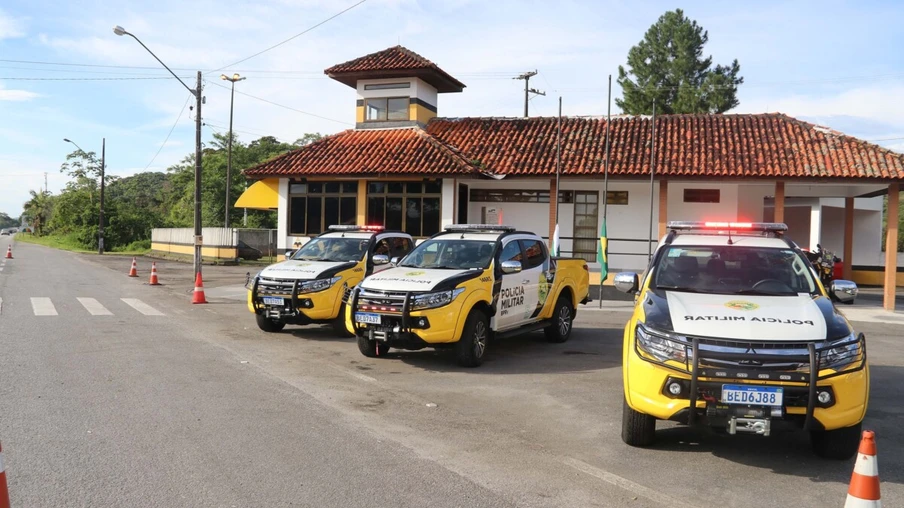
point(386, 108)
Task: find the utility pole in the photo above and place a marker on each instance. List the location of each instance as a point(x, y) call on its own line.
point(100, 227)
point(527, 90)
point(198, 238)
point(233, 79)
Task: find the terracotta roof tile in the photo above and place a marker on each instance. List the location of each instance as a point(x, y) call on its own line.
point(693, 146)
point(408, 151)
point(396, 61)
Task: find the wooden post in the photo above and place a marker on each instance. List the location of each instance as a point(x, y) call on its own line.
point(663, 206)
point(553, 201)
point(891, 246)
point(779, 215)
point(362, 203)
point(848, 254)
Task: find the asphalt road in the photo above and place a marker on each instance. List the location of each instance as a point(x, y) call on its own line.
point(197, 407)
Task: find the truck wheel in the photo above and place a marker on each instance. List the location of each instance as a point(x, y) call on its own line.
point(270, 325)
point(339, 325)
point(839, 444)
point(372, 348)
point(471, 347)
point(562, 319)
point(637, 429)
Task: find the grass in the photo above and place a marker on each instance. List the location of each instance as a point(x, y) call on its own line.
point(70, 243)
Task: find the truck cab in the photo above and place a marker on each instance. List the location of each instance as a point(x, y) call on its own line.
point(310, 285)
point(464, 286)
point(732, 329)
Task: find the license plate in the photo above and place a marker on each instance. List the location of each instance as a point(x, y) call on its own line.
point(367, 318)
point(272, 300)
point(753, 395)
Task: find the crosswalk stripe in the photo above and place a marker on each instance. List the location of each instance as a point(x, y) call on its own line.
point(141, 307)
point(94, 307)
point(43, 307)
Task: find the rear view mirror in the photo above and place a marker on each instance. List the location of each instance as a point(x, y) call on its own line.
point(843, 291)
point(395, 260)
point(381, 259)
point(627, 282)
point(511, 266)
point(289, 253)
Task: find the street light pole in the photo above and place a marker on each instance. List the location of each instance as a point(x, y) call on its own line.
point(100, 226)
point(233, 79)
point(118, 30)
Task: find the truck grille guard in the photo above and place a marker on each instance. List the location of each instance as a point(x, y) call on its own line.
point(393, 303)
point(735, 360)
point(266, 287)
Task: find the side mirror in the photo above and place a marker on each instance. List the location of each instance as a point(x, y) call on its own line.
point(511, 266)
point(843, 291)
point(627, 282)
point(289, 253)
point(395, 260)
point(381, 259)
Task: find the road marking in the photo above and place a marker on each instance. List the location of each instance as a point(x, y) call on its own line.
point(43, 307)
point(1, 305)
point(94, 307)
point(624, 483)
point(141, 307)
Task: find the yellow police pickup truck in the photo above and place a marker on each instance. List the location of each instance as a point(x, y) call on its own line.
point(310, 285)
point(463, 287)
point(732, 329)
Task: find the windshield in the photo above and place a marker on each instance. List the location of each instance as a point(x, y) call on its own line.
point(333, 249)
point(452, 254)
point(734, 270)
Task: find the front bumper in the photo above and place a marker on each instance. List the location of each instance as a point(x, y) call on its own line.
point(321, 306)
point(403, 328)
point(647, 382)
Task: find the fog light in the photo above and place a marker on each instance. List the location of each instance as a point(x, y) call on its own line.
point(824, 397)
point(674, 388)
point(422, 322)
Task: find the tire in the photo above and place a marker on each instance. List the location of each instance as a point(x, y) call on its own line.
point(269, 325)
point(339, 325)
point(372, 348)
point(840, 444)
point(562, 320)
point(638, 429)
point(472, 346)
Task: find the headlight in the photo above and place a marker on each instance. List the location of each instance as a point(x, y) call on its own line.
point(434, 300)
point(659, 346)
point(313, 286)
point(843, 352)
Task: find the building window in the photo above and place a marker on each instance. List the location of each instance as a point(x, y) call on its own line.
point(536, 196)
point(387, 86)
point(586, 215)
point(386, 109)
point(617, 197)
point(315, 206)
point(701, 195)
point(412, 207)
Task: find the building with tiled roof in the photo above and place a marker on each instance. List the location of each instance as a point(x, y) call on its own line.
point(419, 172)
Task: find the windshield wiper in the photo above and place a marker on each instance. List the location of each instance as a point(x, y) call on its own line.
point(443, 267)
point(764, 293)
point(685, 289)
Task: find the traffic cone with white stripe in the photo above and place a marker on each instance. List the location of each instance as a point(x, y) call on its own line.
point(134, 271)
point(198, 295)
point(864, 489)
point(9, 252)
point(4, 491)
point(154, 281)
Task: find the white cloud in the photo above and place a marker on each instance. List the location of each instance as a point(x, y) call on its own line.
point(10, 27)
point(16, 95)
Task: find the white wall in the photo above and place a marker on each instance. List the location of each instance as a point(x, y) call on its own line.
point(725, 210)
point(447, 202)
point(418, 88)
point(282, 215)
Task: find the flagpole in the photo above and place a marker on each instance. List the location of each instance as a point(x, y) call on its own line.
point(558, 164)
point(652, 174)
point(606, 181)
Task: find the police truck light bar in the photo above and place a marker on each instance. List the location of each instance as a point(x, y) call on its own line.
point(352, 227)
point(478, 227)
point(772, 227)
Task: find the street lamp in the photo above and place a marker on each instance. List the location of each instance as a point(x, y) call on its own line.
point(118, 30)
point(233, 79)
point(100, 226)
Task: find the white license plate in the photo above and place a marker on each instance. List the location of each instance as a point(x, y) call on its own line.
point(367, 317)
point(753, 395)
point(272, 300)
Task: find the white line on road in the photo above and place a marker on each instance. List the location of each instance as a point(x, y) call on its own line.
point(141, 307)
point(43, 307)
point(1, 305)
point(94, 307)
point(624, 483)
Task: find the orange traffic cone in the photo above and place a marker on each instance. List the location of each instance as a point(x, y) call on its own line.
point(864, 489)
point(9, 252)
point(4, 491)
point(154, 281)
point(134, 271)
point(198, 295)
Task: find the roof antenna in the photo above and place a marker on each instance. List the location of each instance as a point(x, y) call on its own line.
point(729, 235)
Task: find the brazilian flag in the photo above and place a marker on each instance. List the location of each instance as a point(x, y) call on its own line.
point(602, 255)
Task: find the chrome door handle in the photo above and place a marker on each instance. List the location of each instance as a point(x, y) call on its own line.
point(525, 281)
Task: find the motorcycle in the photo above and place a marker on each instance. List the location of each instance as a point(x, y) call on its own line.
point(823, 262)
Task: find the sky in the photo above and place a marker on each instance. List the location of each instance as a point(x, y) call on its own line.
point(837, 64)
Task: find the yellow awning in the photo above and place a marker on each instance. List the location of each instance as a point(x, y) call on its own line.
point(263, 195)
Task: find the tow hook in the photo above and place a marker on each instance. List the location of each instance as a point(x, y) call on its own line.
point(761, 426)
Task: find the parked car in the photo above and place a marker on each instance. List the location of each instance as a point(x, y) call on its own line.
point(248, 252)
point(4, 232)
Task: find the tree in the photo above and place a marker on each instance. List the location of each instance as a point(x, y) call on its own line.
point(37, 210)
point(7, 222)
point(668, 66)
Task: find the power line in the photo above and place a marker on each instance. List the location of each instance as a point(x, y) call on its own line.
point(80, 79)
point(282, 105)
point(169, 133)
point(334, 16)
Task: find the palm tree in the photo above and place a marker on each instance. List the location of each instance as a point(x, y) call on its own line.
point(37, 210)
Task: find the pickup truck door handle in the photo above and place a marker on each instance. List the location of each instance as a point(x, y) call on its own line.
point(525, 281)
